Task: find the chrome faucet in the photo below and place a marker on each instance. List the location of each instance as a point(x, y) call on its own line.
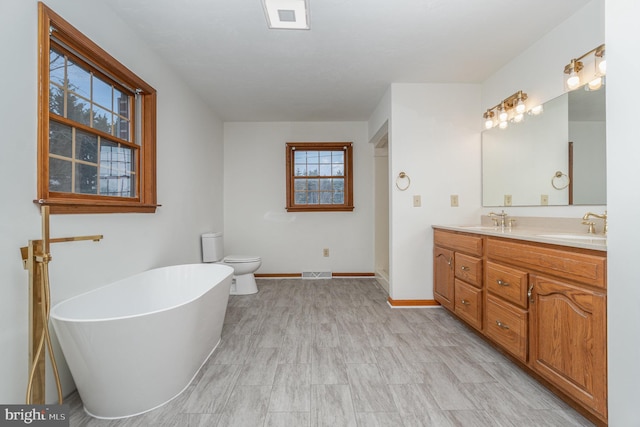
point(502, 218)
point(591, 224)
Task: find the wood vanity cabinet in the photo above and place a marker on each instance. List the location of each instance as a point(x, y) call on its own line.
point(543, 304)
point(458, 274)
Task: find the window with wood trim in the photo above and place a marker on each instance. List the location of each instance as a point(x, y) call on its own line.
point(319, 176)
point(96, 126)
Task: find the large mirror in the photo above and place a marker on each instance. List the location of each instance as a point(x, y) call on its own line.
point(555, 158)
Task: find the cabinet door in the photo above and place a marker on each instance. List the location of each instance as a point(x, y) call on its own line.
point(443, 288)
point(568, 339)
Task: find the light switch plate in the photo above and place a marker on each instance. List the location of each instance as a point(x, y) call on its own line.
point(544, 199)
point(417, 201)
point(507, 199)
point(454, 200)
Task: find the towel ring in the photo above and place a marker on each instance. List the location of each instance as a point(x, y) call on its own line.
point(403, 176)
point(558, 177)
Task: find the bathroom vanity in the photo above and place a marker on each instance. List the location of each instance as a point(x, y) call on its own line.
point(539, 298)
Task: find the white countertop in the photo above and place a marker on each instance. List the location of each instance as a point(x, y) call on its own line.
point(596, 242)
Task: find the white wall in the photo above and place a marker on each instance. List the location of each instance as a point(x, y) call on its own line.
point(189, 181)
point(255, 219)
point(434, 140)
point(623, 197)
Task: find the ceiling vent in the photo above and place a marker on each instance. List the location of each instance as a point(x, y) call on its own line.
point(287, 14)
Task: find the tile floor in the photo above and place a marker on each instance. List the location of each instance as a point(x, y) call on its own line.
point(333, 353)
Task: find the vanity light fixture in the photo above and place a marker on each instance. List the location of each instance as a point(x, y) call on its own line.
point(287, 14)
point(590, 68)
point(511, 108)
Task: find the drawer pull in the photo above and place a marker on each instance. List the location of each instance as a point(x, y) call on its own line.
point(464, 268)
point(449, 261)
point(465, 302)
point(502, 283)
point(501, 325)
point(530, 293)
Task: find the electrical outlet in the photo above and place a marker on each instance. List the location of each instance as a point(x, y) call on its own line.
point(544, 199)
point(507, 199)
point(325, 252)
point(454, 200)
point(417, 201)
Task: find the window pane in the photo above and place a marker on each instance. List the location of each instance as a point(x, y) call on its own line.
point(312, 198)
point(338, 184)
point(301, 170)
point(59, 140)
point(102, 120)
point(102, 93)
point(300, 184)
point(338, 198)
point(79, 79)
point(122, 128)
point(325, 156)
point(337, 170)
point(86, 147)
point(325, 185)
point(56, 67)
point(326, 198)
point(312, 169)
point(78, 109)
point(312, 185)
point(337, 157)
point(59, 175)
point(56, 100)
point(300, 157)
point(116, 173)
point(312, 157)
point(86, 179)
point(300, 197)
point(121, 103)
point(325, 170)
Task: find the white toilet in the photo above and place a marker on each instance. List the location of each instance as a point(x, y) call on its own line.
point(244, 282)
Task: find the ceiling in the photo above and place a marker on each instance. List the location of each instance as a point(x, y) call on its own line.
point(340, 68)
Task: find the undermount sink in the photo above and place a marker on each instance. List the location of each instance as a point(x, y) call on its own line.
point(590, 237)
point(479, 227)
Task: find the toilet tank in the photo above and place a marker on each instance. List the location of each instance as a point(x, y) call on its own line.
point(212, 247)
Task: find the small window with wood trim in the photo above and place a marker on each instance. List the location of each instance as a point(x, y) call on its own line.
point(96, 127)
point(319, 176)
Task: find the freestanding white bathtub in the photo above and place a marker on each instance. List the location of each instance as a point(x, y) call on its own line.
point(137, 343)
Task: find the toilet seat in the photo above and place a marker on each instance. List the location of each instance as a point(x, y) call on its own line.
point(240, 258)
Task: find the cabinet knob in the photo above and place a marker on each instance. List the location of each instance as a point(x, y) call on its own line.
point(464, 268)
point(465, 302)
point(502, 283)
point(501, 325)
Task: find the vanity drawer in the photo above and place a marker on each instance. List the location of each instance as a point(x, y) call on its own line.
point(471, 244)
point(469, 269)
point(468, 305)
point(507, 326)
point(507, 283)
point(583, 266)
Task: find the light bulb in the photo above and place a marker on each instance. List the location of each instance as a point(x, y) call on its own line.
point(488, 124)
point(518, 118)
point(503, 116)
point(536, 110)
point(520, 107)
point(503, 125)
point(573, 81)
point(595, 84)
point(602, 66)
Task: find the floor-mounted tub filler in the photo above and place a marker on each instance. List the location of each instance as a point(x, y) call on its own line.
point(137, 343)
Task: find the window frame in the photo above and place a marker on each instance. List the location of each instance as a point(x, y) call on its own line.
point(291, 148)
point(143, 122)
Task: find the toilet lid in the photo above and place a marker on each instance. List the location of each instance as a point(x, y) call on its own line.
point(241, 258)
